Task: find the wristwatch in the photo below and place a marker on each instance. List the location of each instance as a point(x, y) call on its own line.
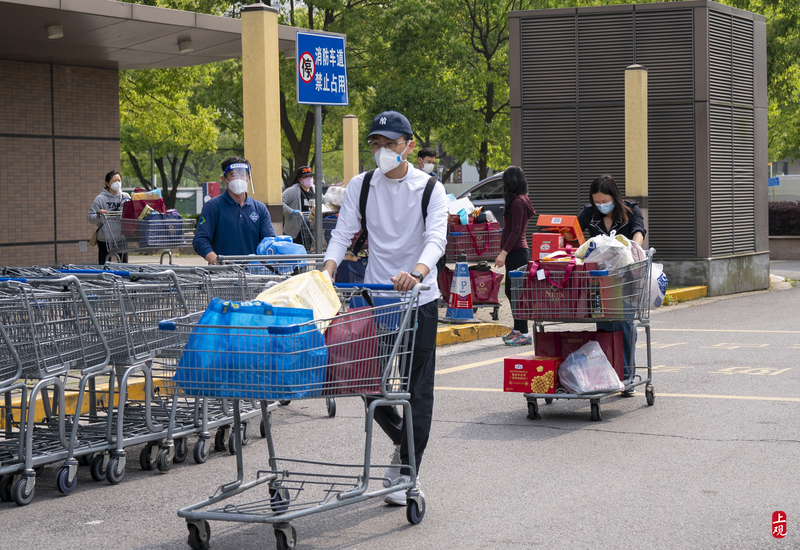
point(418, 275)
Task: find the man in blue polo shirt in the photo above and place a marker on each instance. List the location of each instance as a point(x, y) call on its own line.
point(234, 223)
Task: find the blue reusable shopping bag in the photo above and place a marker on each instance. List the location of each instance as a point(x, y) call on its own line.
point(282, 245)
point(231, 355)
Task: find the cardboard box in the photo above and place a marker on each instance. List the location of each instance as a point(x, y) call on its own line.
point(543, 244)
point(561, 344)
point(568, 226)
point(526, 374)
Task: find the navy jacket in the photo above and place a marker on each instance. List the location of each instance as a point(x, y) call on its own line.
point(598, 227)
point(231, 230)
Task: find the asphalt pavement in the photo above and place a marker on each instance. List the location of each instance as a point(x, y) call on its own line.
point(704, 467)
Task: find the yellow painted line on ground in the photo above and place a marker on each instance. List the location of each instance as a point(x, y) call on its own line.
point(724, 330)
point(481, 363)
point(694, 395)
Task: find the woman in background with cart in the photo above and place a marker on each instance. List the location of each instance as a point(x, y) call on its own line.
point(514, 251)
point(298, 198)
point(110, 199)
point(609, 212)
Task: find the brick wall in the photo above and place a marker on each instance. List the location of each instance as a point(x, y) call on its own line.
point(59, 135)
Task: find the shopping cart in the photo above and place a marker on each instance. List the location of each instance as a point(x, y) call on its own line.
point(60, 347)
point(476, 245)
point(294, 362)
point(588, 296)
point(156, 233)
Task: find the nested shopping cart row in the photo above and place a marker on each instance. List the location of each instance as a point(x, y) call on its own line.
point(85, 373)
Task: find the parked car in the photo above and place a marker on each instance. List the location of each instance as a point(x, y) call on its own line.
point(488, 193)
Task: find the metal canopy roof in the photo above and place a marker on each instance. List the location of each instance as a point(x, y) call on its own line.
point(117, 35)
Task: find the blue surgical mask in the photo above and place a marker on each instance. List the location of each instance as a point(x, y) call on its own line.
point(606, 207)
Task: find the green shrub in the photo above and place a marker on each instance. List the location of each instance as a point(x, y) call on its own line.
point(784, 218)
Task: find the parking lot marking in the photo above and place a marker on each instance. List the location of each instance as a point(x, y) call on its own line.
point(658, 394)
point(656, 345)
point(757, 371)
point(725, 330)
point(481, 363)
point(727, 345)
point(664, 368)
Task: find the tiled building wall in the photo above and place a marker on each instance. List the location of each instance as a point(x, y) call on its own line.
point(59, 135)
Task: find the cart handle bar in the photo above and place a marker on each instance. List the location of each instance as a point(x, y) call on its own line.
point(376, 287)
point(95, 272)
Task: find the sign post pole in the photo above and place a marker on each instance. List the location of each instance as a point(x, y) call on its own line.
point(321, 80)
point(318, 172)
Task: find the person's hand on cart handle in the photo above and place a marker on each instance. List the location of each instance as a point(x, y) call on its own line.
point(330, 267)
point(103, 212)
point(500, 261)
point(211, 258)
point(405, 281)
point(296, 213)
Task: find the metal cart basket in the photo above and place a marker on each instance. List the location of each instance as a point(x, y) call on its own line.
point(588, 296)
point(150, 234)
point(298, 362)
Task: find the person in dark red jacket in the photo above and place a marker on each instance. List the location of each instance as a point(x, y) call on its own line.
point(514, 251)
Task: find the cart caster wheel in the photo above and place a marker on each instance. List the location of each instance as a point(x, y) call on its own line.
point(62, 481)
point(98, 468)
point(219, 440)
point(533, 410)
point(650, 394)
point(284, 402)
point(197, 539)
point(262, 428)
point(414, 511)
point(245, 434)
point(112, 475)
point(330, 402)
point(232, 443)
point(201, 451)
point(5, 488)
point(279, 499)
point(596, 412)
point(163, 460)
point(284, 541)
point(38, 470)
point(18, 493)
point(495, 314)
point(548, 400)
point(181, 450)
point(146, 460)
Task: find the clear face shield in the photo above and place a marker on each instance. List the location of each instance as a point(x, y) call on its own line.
point(237, 176)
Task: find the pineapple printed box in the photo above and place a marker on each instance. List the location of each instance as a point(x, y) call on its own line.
point(528, 374)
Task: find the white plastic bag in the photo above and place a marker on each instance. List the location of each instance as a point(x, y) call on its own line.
point(658, 285)
point(334, 196)
point(587, 370)
point(608, 251)
point(311, 290)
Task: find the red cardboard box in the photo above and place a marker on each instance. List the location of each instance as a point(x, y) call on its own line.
point(543, 244)
point(568, 226)
point(527, 374)
point(561, 344)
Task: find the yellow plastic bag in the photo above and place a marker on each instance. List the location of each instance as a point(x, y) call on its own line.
point(312, 290)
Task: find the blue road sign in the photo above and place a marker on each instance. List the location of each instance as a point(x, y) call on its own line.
point(321, 69)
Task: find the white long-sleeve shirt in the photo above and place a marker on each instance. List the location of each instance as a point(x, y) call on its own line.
point(398, 238)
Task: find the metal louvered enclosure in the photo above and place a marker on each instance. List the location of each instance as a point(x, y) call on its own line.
point(707, 131)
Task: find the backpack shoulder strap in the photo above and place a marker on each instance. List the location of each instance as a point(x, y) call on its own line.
point(362, 207)
point(426, 196)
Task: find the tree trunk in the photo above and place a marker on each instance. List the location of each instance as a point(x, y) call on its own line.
point(138, 170)
point(449, 172)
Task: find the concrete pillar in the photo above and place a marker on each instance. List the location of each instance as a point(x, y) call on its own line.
point(261, 89)
point(350, 147)
point(636, 140)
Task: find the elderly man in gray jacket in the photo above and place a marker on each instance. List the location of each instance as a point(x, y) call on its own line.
point(298, 198)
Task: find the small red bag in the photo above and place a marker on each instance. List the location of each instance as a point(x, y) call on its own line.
point(484, 282)
point(353, 365)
